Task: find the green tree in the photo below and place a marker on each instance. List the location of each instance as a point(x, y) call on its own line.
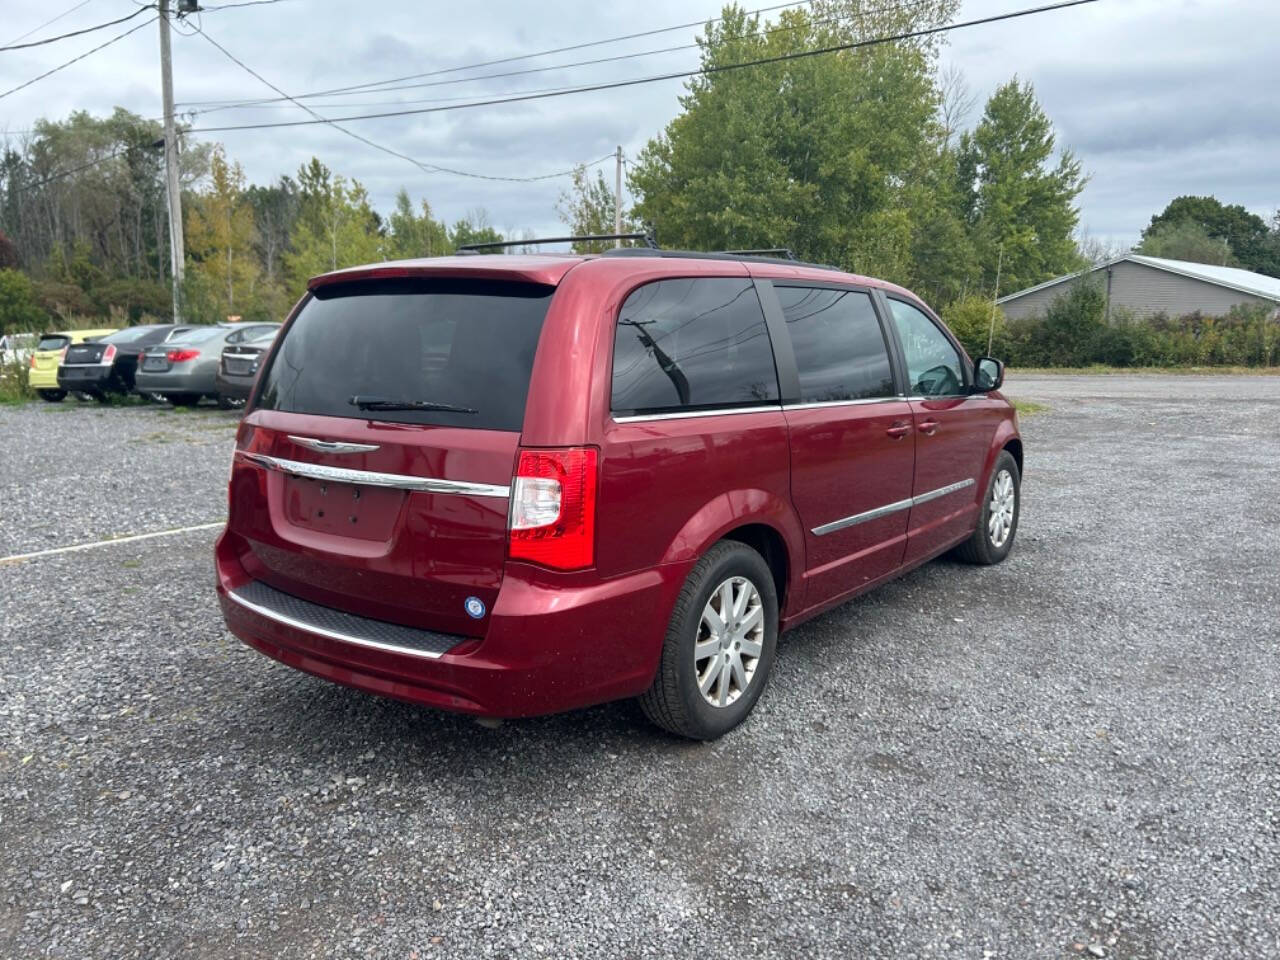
point(411, 234)
point(831, 156)
point(474, 228)
point(1244, 232)
point(223, 273)
point(336, 228)
point(587, 208)
point(18, 308)
point(1186, 240)
point(1019, 203)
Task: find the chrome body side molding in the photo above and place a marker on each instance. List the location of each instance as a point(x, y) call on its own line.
point(889, 508)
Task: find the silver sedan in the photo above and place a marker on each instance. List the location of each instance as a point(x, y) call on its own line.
point(183, 370)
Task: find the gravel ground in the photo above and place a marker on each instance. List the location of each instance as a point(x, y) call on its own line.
point(79, 472)
point(1071, 754)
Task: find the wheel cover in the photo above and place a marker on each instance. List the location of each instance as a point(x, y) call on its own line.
point(729, 642)
point(1000, 511)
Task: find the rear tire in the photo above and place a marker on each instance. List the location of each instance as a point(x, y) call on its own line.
point(710, 677)
point(998, 519)
point(229, 403)
point(52, 396)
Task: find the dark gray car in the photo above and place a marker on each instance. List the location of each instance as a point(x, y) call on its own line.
point(183, 370)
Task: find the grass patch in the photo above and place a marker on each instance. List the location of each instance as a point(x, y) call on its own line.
point(1028, 408)
point(1102, 370)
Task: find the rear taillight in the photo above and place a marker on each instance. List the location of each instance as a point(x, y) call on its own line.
point(109, 354)
point(33, 361)
point(553, 508)
point(182, 356)
point(62, 355)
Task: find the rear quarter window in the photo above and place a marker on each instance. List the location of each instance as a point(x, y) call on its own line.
point(691, 344)
point(466, 343)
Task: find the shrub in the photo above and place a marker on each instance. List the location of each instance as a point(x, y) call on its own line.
point(15, 386)
point(18, 307)
point(1073, 332)
point(970, 320)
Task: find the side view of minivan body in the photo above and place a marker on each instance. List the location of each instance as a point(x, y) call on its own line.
point(510, 485)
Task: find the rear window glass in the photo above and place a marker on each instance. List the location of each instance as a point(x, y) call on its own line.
point(52, 342)
point(840, 349)
point(129, 335)
point(464, 343)
point(692, 344)
point(199, 336)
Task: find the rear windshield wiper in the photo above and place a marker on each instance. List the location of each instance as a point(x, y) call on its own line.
point(387, 403)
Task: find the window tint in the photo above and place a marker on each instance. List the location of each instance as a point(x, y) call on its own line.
point(465, 343)
point(839, 346)
point(199, 335)
point(934, 368)
point(52, 341)
point(692, 343)
point(130, 335)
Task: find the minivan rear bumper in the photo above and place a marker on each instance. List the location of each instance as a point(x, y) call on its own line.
point(548, 647)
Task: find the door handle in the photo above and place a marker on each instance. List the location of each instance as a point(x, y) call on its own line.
point(928, 427)
point(899, 430)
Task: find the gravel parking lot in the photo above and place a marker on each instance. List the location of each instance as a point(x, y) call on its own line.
point(1074, 753)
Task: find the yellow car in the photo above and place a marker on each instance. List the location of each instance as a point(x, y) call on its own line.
point(47, 355)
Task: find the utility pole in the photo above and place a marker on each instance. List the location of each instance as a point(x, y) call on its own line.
point(177, 255)
point(991, 333)
point(617, 197)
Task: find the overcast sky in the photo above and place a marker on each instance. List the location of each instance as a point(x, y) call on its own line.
point(1157, 97)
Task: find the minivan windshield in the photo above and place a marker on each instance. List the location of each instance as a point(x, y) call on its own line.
point(449, 352)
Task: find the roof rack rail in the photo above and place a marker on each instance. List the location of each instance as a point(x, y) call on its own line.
point(646, 238)
point(783, 252)
point(725, 255)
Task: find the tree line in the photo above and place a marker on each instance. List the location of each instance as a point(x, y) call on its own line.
point(867, 159)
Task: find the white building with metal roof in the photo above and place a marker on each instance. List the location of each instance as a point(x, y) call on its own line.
point(1149, 285)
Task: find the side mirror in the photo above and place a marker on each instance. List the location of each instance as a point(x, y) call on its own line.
point(988, 374)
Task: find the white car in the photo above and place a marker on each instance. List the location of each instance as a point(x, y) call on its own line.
point(17, 347)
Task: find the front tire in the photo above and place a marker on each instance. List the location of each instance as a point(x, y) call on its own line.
point(720, 645)
point(52, 396)
point(998, 519)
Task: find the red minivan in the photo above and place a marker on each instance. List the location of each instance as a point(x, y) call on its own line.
point(510, 485)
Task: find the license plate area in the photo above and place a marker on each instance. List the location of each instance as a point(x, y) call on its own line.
point(155, 363)
point(238, 365)
point(342, 509)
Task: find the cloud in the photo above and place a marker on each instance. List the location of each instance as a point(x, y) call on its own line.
point(1157, 97)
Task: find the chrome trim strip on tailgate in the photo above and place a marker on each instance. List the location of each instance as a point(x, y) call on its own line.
point(395, 481)
point(889, 508)
point(329, 446)
point(339, 625)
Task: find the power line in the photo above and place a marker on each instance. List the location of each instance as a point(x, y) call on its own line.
point(679, 75)
point(247, 3)
point(74, 33)
point(425, 167)
point(84, 166)
point(63, 66)
point(523, 56)
point(82, 3)
point(230, 105)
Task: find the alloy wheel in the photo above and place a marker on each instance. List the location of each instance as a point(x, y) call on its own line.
point(1000, 510)
point(730, 641)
